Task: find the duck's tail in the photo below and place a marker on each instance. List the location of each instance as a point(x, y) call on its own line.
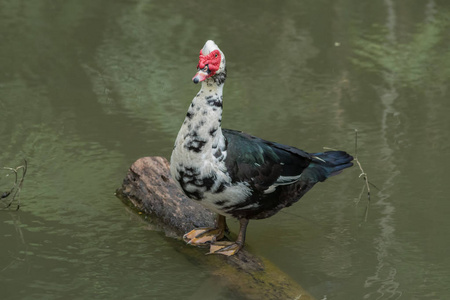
point(327, 164)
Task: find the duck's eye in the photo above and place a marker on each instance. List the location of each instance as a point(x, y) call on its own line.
point(215, 55)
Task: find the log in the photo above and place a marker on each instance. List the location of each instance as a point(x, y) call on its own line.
point(149, 189)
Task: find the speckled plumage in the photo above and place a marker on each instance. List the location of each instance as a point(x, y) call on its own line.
point(236, 174)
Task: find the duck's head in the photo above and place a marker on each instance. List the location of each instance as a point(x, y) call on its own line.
point(211, 64)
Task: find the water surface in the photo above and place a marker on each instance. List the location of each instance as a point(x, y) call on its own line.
point(88, 87)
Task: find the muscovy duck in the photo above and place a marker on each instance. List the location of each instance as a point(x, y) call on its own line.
point(233, 173)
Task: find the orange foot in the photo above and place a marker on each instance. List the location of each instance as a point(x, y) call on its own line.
point(203, 236)
point(225, 248)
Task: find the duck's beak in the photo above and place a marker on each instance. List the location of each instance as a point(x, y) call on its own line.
point(201, 75)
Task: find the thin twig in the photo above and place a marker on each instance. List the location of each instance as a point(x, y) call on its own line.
point(15, 189)
point(364, 176)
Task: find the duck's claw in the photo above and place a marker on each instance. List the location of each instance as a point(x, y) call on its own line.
point(225, 248)
point(203, 236)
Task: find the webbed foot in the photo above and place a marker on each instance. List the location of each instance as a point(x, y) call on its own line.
point(225, 248)
point(231, 248)
point(203, 236)
point(207, 235)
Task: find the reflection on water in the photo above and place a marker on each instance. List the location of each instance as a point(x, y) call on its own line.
point(88, 87)
point(385, 273)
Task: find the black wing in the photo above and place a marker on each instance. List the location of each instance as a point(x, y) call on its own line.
point(263, 164)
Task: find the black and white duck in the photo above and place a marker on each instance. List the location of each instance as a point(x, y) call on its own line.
point(233, 173)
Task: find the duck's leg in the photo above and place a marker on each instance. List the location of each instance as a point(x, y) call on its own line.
point(207, 235)
point(230, 248)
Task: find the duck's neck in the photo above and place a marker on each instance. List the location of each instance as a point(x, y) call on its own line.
point(201, 131)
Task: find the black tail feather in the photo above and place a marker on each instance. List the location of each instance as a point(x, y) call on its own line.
point(327, 164)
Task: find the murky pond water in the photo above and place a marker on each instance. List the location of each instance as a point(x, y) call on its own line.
point(88, 87)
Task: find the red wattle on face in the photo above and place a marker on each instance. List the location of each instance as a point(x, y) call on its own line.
point(212, 60)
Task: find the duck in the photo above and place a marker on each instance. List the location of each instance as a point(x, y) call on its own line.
point(235, 174)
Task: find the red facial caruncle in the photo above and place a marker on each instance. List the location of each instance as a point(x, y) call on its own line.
point(212, 60)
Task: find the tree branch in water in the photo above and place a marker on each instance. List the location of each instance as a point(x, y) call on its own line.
point(364, 176)
point(18, 182)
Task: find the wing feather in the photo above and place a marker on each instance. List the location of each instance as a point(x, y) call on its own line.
point(263, 164)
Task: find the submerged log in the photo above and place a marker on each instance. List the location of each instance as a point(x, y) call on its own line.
point(149, 188)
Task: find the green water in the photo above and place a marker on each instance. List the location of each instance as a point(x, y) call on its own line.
point(88, 87)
